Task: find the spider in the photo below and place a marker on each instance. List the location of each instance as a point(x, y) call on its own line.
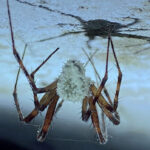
point(71, 84)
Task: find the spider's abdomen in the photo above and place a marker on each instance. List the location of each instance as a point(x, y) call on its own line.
point(72, 83)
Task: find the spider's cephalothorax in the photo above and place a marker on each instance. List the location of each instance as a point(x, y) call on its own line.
point(72, 83)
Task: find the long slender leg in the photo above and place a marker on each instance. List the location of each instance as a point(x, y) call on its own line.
point(106, 107)
point(34, 111)
point(102, 100)
point(104, 129)
point(119, 78)
point(45, 89)
point(33, 73)
point(114, 118)
point(85, 111)
point(105, 76)
point(49, 116)
point(19, 59)
point(95, 121)
point(15, 89)
point(105, 90)
point(29, 77)
point(45, 100)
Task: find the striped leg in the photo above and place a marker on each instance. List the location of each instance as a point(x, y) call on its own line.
point(106, 107)
point(102, 85)
point(85, 111)
point(49, 116)
point(95, 121)
point(45, 100)
point(30, 77)
point(119, 78)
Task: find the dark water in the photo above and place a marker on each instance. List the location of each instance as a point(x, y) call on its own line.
point(17, 135)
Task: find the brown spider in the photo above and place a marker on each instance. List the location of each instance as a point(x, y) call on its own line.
point(90, 94)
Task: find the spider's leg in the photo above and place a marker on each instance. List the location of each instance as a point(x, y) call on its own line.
point(31, 116)
point(108, 96)
point(101, 99)
point(49, 116)
point(119, 77)
point(90, 59)
point(48, 97)
point(85, 112)
point(33, 73)
point(98, 93)
point(45, 100)
point(95, 121)
point(105, 106)
point(31, 81)
point(34, 111)
point(114, 118)
point(30, 78)
point(15, 89)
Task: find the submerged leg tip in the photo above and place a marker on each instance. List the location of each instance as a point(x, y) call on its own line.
point(41, 135)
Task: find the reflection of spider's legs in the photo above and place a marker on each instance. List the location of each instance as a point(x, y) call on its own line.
point(135, 20)
point(131, 36)
point(49, 116)
point(89, 40)
point(62, 35)
point(88, 43)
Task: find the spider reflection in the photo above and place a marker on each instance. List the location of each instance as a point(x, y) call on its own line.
point(93, 28)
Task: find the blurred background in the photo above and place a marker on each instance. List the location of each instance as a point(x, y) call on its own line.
point(73, 26)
